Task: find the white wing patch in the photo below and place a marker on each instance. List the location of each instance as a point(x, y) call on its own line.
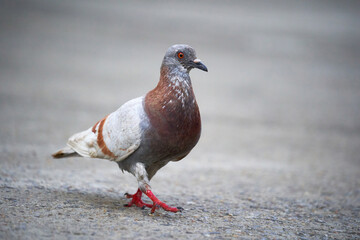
point(115, 137)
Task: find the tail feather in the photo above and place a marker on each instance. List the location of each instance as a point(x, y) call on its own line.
point(65, 152)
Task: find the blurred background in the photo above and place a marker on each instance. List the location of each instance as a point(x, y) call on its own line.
point(280, 109)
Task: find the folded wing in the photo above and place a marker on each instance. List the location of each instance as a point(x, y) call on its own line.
point(115, 137)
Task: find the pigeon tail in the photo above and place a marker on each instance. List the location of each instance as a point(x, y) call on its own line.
point(65, 152)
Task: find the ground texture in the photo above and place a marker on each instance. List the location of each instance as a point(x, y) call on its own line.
point(279, 155)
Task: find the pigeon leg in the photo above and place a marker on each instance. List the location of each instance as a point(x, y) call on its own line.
point(136, 199)
point(157, 203)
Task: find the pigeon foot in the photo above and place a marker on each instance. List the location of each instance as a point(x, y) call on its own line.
point(157, 204)
point(136, 199)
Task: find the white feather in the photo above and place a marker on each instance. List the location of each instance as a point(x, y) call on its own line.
point(121, 133)
point(84, 143)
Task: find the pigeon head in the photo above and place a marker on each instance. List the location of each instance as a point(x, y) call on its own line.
point(183, 58)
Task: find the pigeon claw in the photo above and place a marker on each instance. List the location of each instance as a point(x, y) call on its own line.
point(127, 195)
point(180, 209)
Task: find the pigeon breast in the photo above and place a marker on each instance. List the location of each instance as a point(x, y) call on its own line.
point(173, 114)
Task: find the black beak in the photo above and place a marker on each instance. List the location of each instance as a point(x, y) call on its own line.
point(198, 64)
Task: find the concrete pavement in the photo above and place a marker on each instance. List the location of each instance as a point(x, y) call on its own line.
point(280, 146)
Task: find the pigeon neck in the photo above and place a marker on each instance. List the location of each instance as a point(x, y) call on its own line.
point(174, 77)
point(173, 96)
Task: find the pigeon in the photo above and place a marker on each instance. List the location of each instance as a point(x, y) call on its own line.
point(147, 132)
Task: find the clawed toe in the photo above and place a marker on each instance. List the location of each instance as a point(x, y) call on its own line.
point(128, 195)
point(180, 209)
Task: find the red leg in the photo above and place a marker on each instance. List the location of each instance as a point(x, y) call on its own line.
point(157, 203)
point(136, 199)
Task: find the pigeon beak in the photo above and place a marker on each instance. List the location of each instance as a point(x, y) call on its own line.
point(198, 64)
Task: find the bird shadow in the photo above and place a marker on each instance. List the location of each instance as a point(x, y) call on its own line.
point(93, 199)
point(102, 200)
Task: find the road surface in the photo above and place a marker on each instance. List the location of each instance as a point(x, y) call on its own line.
point(279, 155)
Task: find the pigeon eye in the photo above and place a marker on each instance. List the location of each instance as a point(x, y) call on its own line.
point(180, 55)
